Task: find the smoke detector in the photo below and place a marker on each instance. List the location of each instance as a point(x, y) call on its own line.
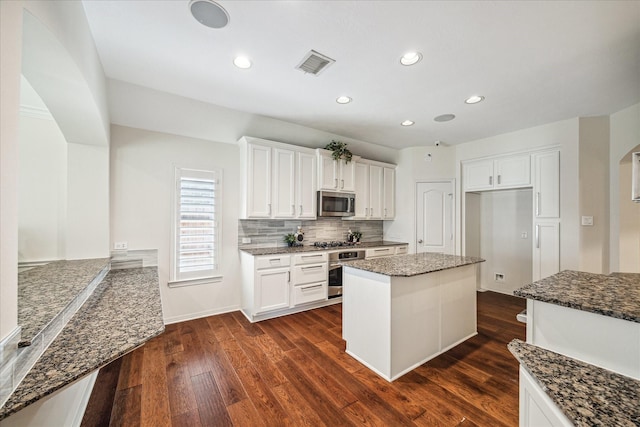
point(314, 63)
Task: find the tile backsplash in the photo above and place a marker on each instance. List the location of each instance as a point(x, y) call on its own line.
point(270, 232)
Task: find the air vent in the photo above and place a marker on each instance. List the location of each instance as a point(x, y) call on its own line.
point(314, 63)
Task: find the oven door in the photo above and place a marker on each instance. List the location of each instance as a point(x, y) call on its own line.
point(335, 281)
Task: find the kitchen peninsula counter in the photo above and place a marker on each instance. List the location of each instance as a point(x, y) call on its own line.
point(399, 312)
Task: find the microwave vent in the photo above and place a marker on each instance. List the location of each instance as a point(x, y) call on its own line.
point(314, 63)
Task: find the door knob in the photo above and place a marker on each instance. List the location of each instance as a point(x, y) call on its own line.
point(420, 241)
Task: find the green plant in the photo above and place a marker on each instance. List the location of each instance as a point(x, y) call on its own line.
point(290, 238)
point(339, 151)
point(356, 235)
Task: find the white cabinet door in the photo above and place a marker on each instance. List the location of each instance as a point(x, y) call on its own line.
point(478, 175)
point(258, 181)
point(375, 191)
point(512, 172)
point(272, 289)
point(327, 172)
point(546, 249)
point(306, 189)
point(347, 176)
point(362, 190)
point(389, 193)
point(283, 201)
point(547, 185)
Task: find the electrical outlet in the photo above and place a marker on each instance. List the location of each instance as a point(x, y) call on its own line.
point(587, 220)
point(499, 277)
point(523, 235)
point(246, 240)
point(120, 245)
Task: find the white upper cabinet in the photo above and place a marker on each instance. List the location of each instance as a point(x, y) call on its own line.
point(306, 187)
point(389, 193)
point(336, 175)
point(375, 190)
point(278, 180)
point(546, 186)
point(501, 173)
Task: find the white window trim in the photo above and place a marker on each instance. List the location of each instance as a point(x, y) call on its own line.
point(210, 277)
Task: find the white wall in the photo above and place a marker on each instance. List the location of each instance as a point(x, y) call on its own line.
point(142, 190)
point(594, 198)
point(624, 135)
point(504, 216)
point(415, 165)
point(42, 191)
point(563, 134)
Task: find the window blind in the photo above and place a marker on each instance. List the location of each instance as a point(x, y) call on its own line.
point(196, 239)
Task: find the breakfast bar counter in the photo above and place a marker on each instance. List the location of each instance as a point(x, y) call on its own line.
point(399, 312)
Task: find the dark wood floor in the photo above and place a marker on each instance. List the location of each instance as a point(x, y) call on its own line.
point(223, 370)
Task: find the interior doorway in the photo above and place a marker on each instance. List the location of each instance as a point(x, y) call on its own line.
point(435, 210)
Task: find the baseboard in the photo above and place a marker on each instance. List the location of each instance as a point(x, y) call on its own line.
point(200, 314)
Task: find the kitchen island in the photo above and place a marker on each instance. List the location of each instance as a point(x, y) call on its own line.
point(399, 312)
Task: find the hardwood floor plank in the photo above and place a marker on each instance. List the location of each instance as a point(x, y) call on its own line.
point(98, 411)
point(173, 342)
point(194, 355)
point(243, 413)
point(327, 411)
point(210, 404)
point(131, 369)
point(277, 335)
point(234, 354)
point(187, 419)
point(181, 396)
point(127, 408)
point(219, 328)
point(250, 329)
point(262, 397)
point(155, 409)
point(298, 409)
point(361, 416)
point(347, 362)
point(268, 370)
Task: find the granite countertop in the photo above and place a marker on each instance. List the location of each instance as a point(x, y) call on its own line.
point(310, 248)
point(45, 291)
point(123, 313)
point(615, 295)
point(412, 265)
point(586, 394)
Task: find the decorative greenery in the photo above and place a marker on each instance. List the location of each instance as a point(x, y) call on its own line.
point(290, 238)
point(356, 235)
point(340, 151)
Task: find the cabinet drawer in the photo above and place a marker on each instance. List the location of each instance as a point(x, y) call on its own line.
point(374, 253)
point(273, 261)
point(309, 273)
point(401, 250)
point(309, 293)
point(312, 258)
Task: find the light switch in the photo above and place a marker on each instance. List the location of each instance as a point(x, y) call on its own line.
point(587, 220)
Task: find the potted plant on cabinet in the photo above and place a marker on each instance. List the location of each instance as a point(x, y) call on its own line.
point(339, 151)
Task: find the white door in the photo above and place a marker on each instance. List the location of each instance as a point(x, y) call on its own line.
point(362, 190)
point(306, 185)
point(375, 192)
point(283, 198)
point(434, 217)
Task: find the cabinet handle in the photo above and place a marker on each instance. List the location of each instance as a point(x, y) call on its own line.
point(385, 212)
point(537, 236)
point(289, 276)
point(336, 184)
point(342, 186)
point(293, 210)
point(366, 211)
point(380, 250)
point(310, 287)
point(453, 213)
point(313, 267)
point(498, 179)
point(269, 209)
point(274, 260)
point(490, 180)
point(300, 210)
point(538, 203)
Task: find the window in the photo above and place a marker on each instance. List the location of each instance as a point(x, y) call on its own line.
point(197, 229)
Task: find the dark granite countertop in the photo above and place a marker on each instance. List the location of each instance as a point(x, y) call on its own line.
point(123, 313)
point(586, 394)
point(412, 265)
point(310, 248)
point(615, 295)
point(45, 291)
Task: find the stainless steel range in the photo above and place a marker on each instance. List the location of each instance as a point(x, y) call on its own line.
point(335, 269)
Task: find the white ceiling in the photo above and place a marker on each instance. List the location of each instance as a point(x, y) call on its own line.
point(535, 61)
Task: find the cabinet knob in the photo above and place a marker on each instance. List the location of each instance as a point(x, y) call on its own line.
point(419, 240)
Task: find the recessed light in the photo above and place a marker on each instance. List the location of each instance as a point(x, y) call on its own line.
point(444, 118)
point(411, 58)
point(209, 13)
point(407, 123)
point(242, 62)
point(474, 99)
point(343, 100)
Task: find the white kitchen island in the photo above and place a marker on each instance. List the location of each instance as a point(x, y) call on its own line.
point(399, 312)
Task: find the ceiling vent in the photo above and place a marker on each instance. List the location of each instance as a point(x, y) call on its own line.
point(314, 63)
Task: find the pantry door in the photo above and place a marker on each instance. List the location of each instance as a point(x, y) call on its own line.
point(435, 208)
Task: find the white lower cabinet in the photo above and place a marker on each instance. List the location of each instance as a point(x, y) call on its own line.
point(380, 252)
point(546, 249)
point(536, 408)
point(312, 292)
point(309, 278)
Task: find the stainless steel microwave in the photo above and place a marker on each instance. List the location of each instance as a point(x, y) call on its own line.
point(331, 203)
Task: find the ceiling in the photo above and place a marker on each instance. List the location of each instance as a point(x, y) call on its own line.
point(535, 62)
